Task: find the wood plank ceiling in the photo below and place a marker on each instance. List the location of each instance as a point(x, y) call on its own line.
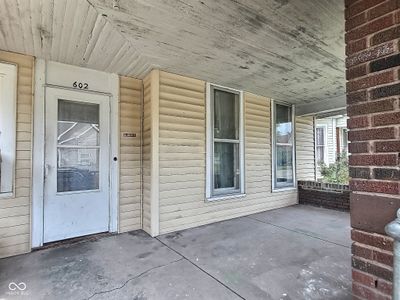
point(286, 49)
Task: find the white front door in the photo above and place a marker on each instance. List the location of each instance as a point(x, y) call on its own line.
point(76, 164)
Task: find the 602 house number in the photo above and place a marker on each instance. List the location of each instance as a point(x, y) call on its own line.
point(80, 85)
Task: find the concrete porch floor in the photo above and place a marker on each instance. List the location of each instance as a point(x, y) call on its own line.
point(298, 252)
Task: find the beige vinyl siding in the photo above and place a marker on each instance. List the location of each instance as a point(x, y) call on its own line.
point(305, 162)
point(146, 156)
point(15, 212)
point(182, 158)
point(130, 111)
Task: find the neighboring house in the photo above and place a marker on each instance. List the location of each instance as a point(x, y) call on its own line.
point(330, 138)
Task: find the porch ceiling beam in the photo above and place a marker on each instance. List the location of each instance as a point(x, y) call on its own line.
point(331, 105)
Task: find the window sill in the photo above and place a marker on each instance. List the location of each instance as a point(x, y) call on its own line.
point(285, 189)
point(7, 195)
point(225, 197)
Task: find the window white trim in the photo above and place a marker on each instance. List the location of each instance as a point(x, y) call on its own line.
point(273, 150)
point(325, 129)
point(8, 124)
point(210, 145)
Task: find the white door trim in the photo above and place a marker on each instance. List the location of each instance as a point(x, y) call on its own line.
point(37, 208)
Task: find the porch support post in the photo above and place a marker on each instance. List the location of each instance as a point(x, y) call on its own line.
point(373, 107)
point(393, 230)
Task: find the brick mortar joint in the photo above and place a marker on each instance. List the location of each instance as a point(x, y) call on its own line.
point(320, 186)
point(373, 262)
point(375, 291)
point(395, 71)
point(370, 247)
point(371, 275)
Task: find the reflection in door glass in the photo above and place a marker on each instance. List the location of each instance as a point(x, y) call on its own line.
point(78, 146)
point(78, 170)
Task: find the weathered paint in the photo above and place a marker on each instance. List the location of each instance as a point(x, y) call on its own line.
point(67, 31)
point(289, 50)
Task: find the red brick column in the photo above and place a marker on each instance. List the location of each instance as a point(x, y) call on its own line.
point(373, 90)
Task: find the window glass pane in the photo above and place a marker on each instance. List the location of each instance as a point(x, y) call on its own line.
point(78, 124)
point(344, 141)
point(226, 115)
point(283, 119)
point(320, 136)
point(78, 134)
point(226, 167)
point(284, 166)
point(78, 169)
point(320, 154)
point(78, 112)
point(8, 121)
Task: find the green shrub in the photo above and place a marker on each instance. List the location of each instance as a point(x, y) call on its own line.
point(337, 172)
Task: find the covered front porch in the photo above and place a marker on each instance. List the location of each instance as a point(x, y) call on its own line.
point(279, 254)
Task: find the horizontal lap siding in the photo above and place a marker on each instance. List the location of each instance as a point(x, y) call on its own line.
point(15, 212)
point(305, 148)
point(130, 154)
point(182, 158)
point(146, 218)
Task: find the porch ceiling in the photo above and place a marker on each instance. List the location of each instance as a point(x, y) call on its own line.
point(286, 49)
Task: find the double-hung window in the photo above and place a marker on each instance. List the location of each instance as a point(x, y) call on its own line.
point(8, 119)
point(225, 157)
point(283, 155)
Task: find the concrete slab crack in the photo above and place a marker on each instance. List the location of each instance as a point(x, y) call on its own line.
point(133, 278)
point(201, 269)
point(296, 231)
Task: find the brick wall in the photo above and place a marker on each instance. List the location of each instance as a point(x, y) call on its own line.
point(332, 196)
point(373, 89)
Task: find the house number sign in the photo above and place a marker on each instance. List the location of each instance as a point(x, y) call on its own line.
point(80, 85)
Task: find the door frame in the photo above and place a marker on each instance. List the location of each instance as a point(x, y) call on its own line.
point(110, 82)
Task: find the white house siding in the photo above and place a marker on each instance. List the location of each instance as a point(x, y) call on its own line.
point(305, 160)
point(331, 123)
point(341, 122)
point(15, 212)
point(130, 107)
point(182, 158)
point(331, 137)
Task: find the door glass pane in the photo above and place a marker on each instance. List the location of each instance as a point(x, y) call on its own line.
point(78, 124)
point(78, 169)
point(78, 148)
point(226, 168)
point(283, 119)
point(284, 166)
point(226, 115)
